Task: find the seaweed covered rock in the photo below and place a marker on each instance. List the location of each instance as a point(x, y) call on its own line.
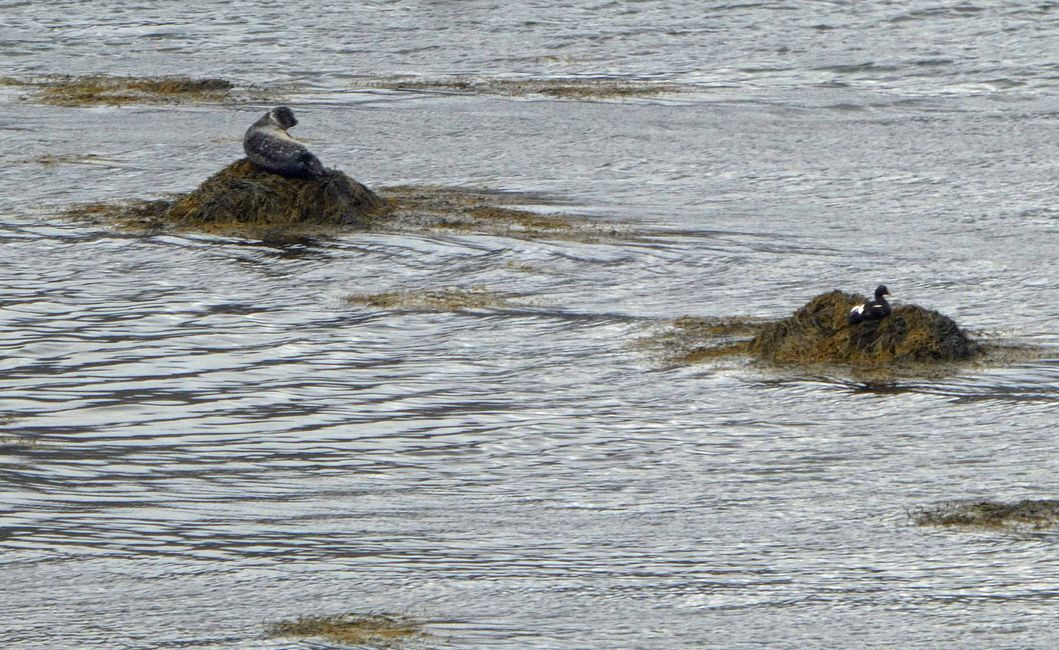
point(244, 194)
point(819, 333)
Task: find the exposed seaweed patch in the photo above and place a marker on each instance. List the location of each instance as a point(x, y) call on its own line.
point(242, 194)
point(441, 300)
point(246, 201)
point(371, 630)
point(689, 339)
point(575, 88)
point(92, 90)
point(819, 333)
point(911, 342)
point(991, 515)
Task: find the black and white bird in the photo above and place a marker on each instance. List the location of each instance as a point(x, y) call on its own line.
point(876, 309)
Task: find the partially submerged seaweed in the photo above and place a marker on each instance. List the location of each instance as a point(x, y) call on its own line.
point(245, 200)
point(1022, 515)
point(912, 341)
point(415, 208)
point(577, 88)
point(66, 90)
point(373, 630)
point(819, 333)
point(450, 299)
point(50, 160)
point(692, 339)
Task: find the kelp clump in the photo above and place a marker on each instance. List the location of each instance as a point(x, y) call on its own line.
point(376, 631)
point(1023, 515)
point(244, 194)
point(819, 333)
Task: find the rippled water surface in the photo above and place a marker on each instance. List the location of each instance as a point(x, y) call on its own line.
point(202, 435)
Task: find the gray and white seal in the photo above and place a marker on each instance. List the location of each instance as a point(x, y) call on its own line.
point(269, 146)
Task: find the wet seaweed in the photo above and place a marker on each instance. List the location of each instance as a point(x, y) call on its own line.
point(243, 194)
point(992, 515)
point(819, 333)
point(245, 200)
point(92, 90)
point(440, 300)
point(412, 208)
point(366, 630)
point(579, 88)
point(911, 342)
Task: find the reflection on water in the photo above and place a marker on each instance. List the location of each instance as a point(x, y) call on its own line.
point(200, 436)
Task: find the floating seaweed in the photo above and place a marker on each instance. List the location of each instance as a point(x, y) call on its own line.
point(455, 209)
point(372, 630)
point(449, 299)
point(66, 90)
point(1022, 515)
point(576, 88)
point(690, 339)
point(51, 160)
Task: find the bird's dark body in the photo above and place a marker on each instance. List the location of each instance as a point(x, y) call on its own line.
point(876, 309)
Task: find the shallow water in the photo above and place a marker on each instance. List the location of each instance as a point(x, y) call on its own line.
point(204, 436)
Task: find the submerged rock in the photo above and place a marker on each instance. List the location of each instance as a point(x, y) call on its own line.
point(819, 333)
point(243, 193)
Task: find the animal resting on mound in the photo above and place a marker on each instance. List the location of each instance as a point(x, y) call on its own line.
point(876, 309)
point(269, 146)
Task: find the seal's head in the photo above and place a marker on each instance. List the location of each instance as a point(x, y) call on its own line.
point(283, 116)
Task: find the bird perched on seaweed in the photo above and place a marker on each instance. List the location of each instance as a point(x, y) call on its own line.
point(876, 309)
point(269, 146)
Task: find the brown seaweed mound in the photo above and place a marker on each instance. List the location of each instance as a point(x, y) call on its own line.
point(243, 193)
point(1032, 514)
point(819, 333)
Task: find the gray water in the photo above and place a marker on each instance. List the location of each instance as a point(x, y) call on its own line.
point(203, 436)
